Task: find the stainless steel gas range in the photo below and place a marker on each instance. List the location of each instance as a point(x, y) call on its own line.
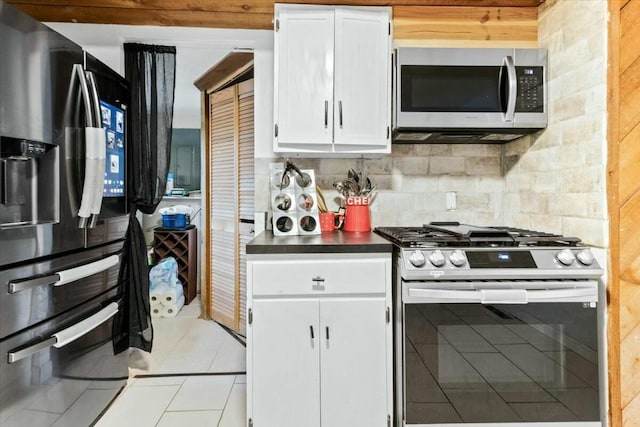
point(495, 326)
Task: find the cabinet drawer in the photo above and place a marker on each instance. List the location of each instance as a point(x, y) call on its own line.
point(319, 277)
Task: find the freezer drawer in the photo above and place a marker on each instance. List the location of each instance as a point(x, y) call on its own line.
point(34, 292)
point(62, 372)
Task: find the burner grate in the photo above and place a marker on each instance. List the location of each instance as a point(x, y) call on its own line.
point(461, 235)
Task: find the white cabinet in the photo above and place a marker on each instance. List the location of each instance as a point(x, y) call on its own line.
point(332, 89)
point(319, 355)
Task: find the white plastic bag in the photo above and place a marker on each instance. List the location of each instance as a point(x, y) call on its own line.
point(164, 273)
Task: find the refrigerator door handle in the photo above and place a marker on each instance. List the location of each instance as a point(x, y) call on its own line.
point(63, 277)
point(86, 270)
point(86, 202)
point(23, 285)
point(66, 336)
point(97, 137)
point(95, 110)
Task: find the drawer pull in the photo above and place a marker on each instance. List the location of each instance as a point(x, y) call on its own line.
point(318, 283)
point(327, 333)
point(311, 330)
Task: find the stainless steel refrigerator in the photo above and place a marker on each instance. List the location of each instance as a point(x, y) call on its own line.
point(63, 217)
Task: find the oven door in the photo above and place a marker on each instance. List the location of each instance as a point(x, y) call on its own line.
point(500, 353)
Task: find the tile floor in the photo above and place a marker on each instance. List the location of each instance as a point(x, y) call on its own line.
point(185, 345)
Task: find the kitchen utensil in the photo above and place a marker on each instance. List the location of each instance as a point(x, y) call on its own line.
point(322, 203)
point(353, 188)
point(340, 188)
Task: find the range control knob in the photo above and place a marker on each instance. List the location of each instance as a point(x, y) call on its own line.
point(565, 257)
point(585, 257)
point(457, 258)
point(437, 258)
point(417, 259)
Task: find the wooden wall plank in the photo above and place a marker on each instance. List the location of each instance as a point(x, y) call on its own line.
point(629, 99)
point(464, 23)
point(181, 18)
point(630, 365)
point(630, 233)
point(629, 170)
point(258, 14)
point(232, 6)
point(613, 161)
point(629, 35)
point(630, 307)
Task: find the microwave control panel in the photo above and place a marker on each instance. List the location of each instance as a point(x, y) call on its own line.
point(530, 97)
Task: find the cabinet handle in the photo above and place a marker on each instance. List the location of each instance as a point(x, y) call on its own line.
point(327, 333)
point(318, 283)
point(326, 114)
point(340, 112)
point(311, 329)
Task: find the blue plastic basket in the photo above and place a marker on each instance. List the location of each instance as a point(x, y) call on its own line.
point(178, 221)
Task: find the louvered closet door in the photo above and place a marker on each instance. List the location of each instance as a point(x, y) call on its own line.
point(231, 180)
point(246, 189)
point(224, 206)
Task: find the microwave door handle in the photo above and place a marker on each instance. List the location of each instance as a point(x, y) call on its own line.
point(512, 83)
point(65, 336)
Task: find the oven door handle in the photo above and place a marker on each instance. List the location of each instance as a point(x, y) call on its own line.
point(502, 296)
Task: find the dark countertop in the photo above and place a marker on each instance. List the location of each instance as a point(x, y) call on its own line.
point(333, 242)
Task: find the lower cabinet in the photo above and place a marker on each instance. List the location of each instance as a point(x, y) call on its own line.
point(319, 358)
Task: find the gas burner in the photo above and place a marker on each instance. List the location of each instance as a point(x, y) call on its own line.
point(454, 234)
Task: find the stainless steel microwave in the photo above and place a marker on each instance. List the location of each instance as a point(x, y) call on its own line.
point(468, 94)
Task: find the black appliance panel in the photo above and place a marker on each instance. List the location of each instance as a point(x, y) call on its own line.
point(492, 364)
point(66, 386)
point(452, 89)
point(28, 295)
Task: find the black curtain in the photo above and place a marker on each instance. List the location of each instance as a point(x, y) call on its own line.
point(151, 72)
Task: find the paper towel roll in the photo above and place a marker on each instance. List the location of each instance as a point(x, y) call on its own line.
point(156, 311)
point(155, 299)
point(171, 294)
point(172, 310)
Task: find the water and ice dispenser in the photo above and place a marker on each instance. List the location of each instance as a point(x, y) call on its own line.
point(28, 182)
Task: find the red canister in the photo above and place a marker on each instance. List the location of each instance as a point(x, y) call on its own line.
point(357, 217)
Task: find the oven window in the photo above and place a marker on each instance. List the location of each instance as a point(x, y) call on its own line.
point(477, 363)
point(452, 89)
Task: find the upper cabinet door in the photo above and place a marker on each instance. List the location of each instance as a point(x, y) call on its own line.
point(303, 110)
point(362, 107)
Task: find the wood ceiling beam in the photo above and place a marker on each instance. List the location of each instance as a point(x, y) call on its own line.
point(247, 14)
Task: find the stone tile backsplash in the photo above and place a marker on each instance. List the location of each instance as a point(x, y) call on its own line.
point(556, 179)
point(413, 181)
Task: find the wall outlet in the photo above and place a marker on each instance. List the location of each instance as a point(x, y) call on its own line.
point(451, 201)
